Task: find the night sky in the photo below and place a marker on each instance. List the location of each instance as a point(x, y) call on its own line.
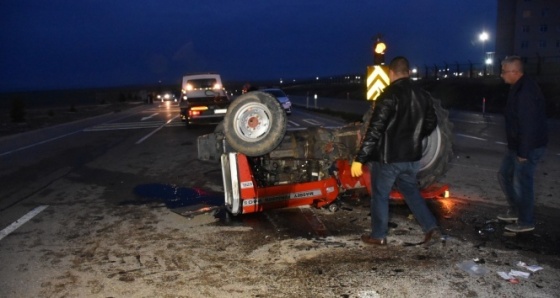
point(60, 44)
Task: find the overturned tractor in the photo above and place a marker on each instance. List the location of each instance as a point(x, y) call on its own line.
point(264, 166)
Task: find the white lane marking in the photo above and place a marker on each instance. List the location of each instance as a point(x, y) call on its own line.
point(293, 123)
point(471, 137)
point(55, 138)
point(38, 143)
point(156, 130)
point(500, 143)
point(312, 121)
point(18, 223)
point(120, 126)
point(148, 117)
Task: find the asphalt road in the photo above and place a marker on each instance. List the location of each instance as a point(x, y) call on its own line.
point(87, 179)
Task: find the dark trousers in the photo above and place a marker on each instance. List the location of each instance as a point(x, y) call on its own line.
point(517, 179)
point(383, 177)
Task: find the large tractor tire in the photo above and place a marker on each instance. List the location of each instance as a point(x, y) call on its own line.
point(437, 150)
point(254, 124)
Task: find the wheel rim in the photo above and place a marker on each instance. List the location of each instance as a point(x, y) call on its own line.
point(252, 122)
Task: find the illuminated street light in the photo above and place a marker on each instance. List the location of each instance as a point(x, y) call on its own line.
point(483, 37)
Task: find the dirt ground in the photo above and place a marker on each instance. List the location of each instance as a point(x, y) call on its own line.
point(92, 243)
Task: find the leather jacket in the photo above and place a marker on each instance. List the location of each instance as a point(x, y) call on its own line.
point(402, 116)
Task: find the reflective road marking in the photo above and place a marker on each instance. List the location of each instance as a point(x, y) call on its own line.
point(312, 121)
point(293, 123)
point(18, 223)
point(148, 117)
point(155, 130)
point(38, 143)
point(470, 137)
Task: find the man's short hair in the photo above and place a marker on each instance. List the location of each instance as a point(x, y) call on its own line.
point(399, 65)
point(514, 60)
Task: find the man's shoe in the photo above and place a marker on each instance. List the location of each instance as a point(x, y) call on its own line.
point(519, 228)
point(432, 237)
point(507, 217)
point(428, 236)
point(373, 241)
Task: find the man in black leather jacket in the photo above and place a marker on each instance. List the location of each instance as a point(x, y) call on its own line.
point(403, 115)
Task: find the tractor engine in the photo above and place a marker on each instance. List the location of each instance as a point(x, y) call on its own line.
point(270, 172)
point(305, 155)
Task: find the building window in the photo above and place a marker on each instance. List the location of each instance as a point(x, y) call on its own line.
point(542, 43)
point(524, 44)
point(525, 29)
point(544, 12)
point(544, 28)
point(558, 43)
point(526, 14)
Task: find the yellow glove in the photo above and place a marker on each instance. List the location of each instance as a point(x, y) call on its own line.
point(356, 169)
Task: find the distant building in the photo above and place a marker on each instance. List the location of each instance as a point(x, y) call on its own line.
point(530, 29)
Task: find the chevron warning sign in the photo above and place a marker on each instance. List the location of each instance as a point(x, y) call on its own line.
point(377, 80)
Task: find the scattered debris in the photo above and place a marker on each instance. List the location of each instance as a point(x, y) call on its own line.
point(473, 268)
point(487, 229)
point(517, 273)
point(532, 268)
point(512, 275)
point(508, 277)
point(479, 261)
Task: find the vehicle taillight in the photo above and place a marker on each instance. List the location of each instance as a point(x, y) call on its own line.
point(203, 108)
point(194, 113)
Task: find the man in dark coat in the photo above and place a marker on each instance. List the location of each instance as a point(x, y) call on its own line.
point(527, 137)
point(403, 115)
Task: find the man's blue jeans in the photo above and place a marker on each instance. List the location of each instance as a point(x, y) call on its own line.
point(517, 179)
point(403, 174)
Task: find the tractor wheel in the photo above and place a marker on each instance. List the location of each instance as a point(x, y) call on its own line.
point(254, 124)
point(437, 149)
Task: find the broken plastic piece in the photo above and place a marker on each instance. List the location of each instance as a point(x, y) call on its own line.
point(473, 268)
point(532, 268)
point(508, 277)
point(517, 273)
